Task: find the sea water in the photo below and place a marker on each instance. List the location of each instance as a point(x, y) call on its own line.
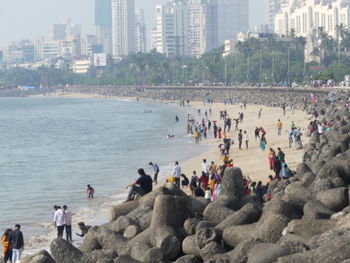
point(51, 148)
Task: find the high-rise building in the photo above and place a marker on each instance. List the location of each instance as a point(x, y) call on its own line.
point(103, 23)
point(170, 33)
point(202, 26)
point(59, 32)
point(233, 17)
point(273, 7)
point(187, 27)
point(90, 46)
point(140, 31)
point(123, 27)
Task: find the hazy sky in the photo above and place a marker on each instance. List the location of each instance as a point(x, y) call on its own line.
point(28, 19)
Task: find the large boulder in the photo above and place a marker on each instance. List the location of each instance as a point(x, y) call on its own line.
point(308, 228)
point(41, 256)
point(65, 252)
point(266, 253)
point(334, 199)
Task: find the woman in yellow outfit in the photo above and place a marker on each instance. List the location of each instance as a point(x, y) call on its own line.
point(6, 245)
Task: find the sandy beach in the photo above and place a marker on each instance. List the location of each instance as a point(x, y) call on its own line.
point(254, 161)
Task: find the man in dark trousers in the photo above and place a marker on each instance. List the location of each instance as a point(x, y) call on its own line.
point(240, 139)
point(141, 186)
point(17, 243)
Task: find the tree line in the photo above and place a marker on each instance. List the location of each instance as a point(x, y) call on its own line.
point(270, 61)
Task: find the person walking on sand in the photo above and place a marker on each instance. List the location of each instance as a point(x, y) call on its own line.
point(259, 114)
point(58, 219)
point(177, 173)
point(279, 126)
point(271, 158)
point(156, 172)
point(205, 167)
point(68, 223)
point(6, 246)
point(143, 185)
point(16, 241)
point(90, 191)
point(240, 139)
point(246, 139)
point(257, 133)
point(215, 130)
point(284, 109)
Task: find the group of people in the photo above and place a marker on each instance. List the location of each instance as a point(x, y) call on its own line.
point(13, 244)
point(208, 185)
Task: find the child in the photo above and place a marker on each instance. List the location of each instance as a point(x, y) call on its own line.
point(207, 194)
point(90, 191)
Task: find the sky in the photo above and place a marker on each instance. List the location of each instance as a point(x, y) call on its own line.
point(30, 19)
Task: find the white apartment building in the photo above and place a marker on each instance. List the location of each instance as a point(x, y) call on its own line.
point(81, 66)
point(123, 27)
point(170, 32)
point(185, 27)
point(306, 16)
point(202, 27)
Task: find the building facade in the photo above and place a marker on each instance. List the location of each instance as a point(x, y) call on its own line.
point(123, 27)
point(233, 17)
point(140, 31)
point(187, 27)
point(103, 23)
point(170, 31)
point(305, 17)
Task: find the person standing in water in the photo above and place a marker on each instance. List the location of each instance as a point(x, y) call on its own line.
point(156, 172)
point(90, 191)
point(177, 119)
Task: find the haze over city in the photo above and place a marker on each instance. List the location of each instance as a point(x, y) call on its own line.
point(33, 17)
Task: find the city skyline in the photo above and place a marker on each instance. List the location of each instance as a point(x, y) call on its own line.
point(34, 17)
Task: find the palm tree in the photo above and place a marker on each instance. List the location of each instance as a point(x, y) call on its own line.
point(315, 52)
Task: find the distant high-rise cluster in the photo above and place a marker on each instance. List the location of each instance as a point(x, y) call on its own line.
point(193, 27)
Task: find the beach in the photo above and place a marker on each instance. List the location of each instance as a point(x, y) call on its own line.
point(254, 161)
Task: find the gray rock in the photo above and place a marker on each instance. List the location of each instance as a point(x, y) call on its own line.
point(41, 256)
point(266, 253)
point(64, 252)
point(334, 199)
point(314, 209)
point(308, 228)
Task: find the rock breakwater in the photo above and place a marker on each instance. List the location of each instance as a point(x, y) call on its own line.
point(307, 220)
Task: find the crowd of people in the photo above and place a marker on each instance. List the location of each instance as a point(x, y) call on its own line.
point(207, 184)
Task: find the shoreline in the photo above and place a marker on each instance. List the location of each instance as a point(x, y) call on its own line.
point(48, 233)
point(194, 163)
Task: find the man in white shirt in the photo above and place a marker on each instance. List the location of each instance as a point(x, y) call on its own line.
point(68, 223)
point(205, 167)
point(177, 173)
point(58, 219)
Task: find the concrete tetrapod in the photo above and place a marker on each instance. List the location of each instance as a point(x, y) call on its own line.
point(162, 240)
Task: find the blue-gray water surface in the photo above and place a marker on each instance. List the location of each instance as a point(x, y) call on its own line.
point(51, 148)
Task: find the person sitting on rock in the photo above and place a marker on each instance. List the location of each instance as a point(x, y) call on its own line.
point(141, 186)
point(83, 228)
